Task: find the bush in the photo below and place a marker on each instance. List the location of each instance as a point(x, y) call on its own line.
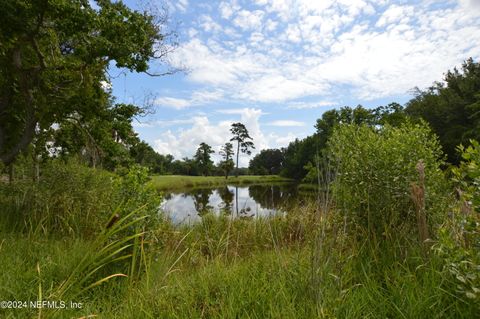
point(459, 243)
point(73, 199)
point(375, 169)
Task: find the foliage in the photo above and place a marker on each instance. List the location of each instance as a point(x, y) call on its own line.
point(145, 155)
point(227, 164)
point(243, 139)
point(300, 155)
point(452, 107)
point(102, 137)
point(203, 159)
point(224, 268)
point(53, 68)
point(71, 199)
point(267, 162)
point(459, 242)
point(375, 169)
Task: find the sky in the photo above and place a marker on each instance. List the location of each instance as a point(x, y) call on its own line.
point(277, 65)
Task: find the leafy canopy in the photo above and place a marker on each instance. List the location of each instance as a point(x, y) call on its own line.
point(54, 57)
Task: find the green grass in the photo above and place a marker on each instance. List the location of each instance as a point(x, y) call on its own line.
point(169, 182)
point(220, 268)
point(305, 264)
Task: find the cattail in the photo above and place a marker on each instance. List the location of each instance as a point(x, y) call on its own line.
point(418, 198)
point(113, 220)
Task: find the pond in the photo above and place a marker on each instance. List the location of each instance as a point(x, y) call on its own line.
point(189, 206)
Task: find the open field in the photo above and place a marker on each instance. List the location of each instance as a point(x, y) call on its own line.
point(171, 182)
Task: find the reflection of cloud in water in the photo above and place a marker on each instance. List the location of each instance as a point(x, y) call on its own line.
point(181, 207)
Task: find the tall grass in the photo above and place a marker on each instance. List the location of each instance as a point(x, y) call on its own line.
point(313, 262)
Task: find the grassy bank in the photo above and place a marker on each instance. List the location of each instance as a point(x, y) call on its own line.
point(169, 182)
point(266, 268)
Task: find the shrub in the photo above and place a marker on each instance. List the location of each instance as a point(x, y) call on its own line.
point(375, 171)
point(459, 243)
point(73, 199)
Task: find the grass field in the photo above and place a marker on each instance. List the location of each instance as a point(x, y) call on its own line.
point(168, 182)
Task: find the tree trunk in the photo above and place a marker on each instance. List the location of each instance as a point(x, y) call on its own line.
point(9, 156)
point(238, 151)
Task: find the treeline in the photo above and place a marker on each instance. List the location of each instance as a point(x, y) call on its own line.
point(201, 163)
point(451, 108)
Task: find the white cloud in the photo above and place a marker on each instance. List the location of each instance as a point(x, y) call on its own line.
point(248, 20)
point(310, 105)
point(197, 98)
point(394, 14)
point(286, 123)
point(227, 9)
point(182, 5)
point(292, 49)
point(173, 102)
point(184, 142)
point(208, 24)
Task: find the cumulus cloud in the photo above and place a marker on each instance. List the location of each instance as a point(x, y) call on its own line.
point(288, 50)
point(298, 54)
point(184, 142)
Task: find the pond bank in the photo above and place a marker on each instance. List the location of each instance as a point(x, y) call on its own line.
point(173, 182)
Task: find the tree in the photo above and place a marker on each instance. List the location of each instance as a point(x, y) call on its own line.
point(145, 155)
point(203, 159)
point(53, 61)
point(298, 154)
point(227, 163)
point(102, 137)
point(268, 161)
point(452, 107)
point(240, 135)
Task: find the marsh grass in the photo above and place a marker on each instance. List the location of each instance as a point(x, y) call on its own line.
point(312, 262)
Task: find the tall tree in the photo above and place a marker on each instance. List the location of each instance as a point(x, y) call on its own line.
point(203, 159)
point(243, 139)
point(452, 107)
point(227, 163)
point(53, 61)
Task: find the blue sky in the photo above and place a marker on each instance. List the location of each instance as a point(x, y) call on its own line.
point(277, 65)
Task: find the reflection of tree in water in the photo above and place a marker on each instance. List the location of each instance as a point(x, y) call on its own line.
point(245, 211)
point(201, 200)
point(227, 200)
point(272, 196)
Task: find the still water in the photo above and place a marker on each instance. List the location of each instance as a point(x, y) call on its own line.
point(189, 206)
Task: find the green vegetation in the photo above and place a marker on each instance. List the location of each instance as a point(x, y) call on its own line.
point(315, 261)
point(203, 159)
point(226, 164)
point(452, 108)
point(169, 182)
point(394, 231)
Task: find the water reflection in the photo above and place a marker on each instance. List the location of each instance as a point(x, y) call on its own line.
point(234, 201)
